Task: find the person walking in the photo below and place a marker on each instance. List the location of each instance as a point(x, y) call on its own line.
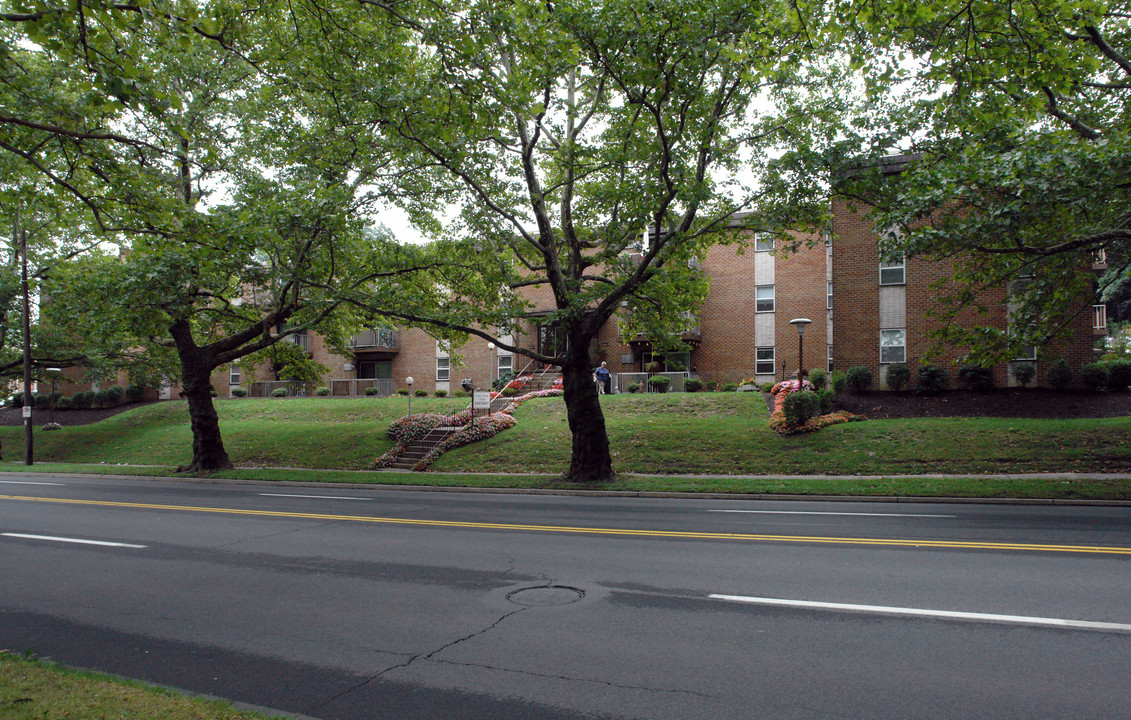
point(604, 379)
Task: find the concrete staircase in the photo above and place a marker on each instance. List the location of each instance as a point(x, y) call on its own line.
point(416, 451)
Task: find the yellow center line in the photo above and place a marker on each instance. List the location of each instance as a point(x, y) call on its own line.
point(890, 542)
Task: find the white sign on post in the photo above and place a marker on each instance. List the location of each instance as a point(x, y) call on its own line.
point(27, 411)
point(481, 400)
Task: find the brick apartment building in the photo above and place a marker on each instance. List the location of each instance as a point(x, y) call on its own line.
point(863, 311)
point(741, 331)
point(882, 307)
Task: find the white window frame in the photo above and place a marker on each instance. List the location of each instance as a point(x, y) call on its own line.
point(443, 369)
point(830, 366)
point(1028, 353)
point(887, 358)
point(889, 268)
point(760, 360)
point(763, 242)
point(829, 295)
point(502, 368)
point(758, 300)
point(234, 375)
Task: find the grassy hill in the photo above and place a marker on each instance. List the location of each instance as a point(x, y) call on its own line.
point(695, 433)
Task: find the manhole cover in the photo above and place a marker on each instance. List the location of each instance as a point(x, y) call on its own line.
point(545, 596)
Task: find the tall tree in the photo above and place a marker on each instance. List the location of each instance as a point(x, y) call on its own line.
point(240, 220)
point(1018, 118)
point(564, 131)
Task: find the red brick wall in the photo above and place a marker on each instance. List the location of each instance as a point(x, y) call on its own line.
point(856, 307)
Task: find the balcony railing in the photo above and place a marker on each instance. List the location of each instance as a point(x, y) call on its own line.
point(1099, 317)
point(623, 380)
point(379, 339)
point(303, 341)
point(357, 388)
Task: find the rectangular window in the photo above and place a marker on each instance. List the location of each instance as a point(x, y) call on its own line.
point(443, 371)
point(764, 298)
point(830, 368)
point(234, 376)
point(764, 361)
point(506, 364)
point(829, 295)
point(893, 346)
point(892, 272)
point(1027, 352)
point(763, 243)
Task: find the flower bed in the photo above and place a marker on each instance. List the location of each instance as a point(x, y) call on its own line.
point(779, 424)
point(407, 430)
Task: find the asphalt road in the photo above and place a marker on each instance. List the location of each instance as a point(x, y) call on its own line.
point(336, 602)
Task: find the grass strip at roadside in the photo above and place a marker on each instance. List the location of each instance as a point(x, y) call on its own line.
point(981, 487)
point(32, 689)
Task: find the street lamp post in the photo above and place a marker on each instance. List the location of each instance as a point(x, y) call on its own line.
point(800, 323)
point(54, 375)
point(491, 366)
point(408, 381)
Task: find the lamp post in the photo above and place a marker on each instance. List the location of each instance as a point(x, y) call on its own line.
point(491, 366)
point(800, 323)
point(408, 381)
point(54, 374)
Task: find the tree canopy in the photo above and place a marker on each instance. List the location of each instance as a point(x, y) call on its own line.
point(1018, 118)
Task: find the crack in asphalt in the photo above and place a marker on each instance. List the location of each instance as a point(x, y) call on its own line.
point(414, 658)
point(567, 678)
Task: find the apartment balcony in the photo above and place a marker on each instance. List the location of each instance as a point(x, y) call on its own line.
point(692, 334)
point(376, 340)
point(300, 339)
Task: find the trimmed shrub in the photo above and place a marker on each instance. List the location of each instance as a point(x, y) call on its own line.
point(1059, 375)
point(501, 382)
point(82, 400)
point(460, 394)
point(1094, 376)
point(400, 391)
point(1024, 373)
point(509, 392)
point(420, 393)
point(371, 391)
point(858, 379)
point(898, 376)
point(279, 392)
point(239, 392)
point(42, 400)
point(837, 379)
point(659, 383)
point(134, 392)
point(976, 377)
point(101, 399)
point(693, 385)
point(115, 394)
point(63, 403)
point(322, 391)
point(819, 378)
point(1119, 375)
point(728, 387)
point(826, 395)
point(800, 406)
point(17, 399)
point(441, 393)
point(932, 380)
point(634, 387)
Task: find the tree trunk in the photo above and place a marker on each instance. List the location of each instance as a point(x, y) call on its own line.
point(590, 461)
point(208, 451)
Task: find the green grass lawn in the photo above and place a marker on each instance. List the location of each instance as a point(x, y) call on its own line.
point(34, 690)
point(679, 433)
